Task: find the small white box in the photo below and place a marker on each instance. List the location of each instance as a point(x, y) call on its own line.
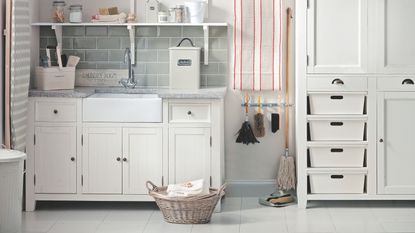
point(337, 156)
point(337, 129)
point(55, 78)
point(339, 103)
point(185, 68)
point(337, 182)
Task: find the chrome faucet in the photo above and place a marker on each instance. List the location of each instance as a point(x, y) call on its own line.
point(130, 82)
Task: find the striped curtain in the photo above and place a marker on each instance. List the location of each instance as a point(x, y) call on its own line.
point(257, 45)
point(19, 72)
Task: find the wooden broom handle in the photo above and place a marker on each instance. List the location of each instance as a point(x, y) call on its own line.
point(287, 80)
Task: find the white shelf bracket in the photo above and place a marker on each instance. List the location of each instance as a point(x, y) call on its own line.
point(131, 30)
point(206, 44)
point(58, 34)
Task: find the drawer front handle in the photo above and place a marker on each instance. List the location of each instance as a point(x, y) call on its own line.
point(336, 97)
point(336, 150)
point(408, 82)
point(118, 159)
point(124, 159)
point(337, 177)
point(337, 81)
point(336, 123)
point(55, 111)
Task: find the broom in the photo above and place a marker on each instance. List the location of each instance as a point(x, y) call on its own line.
point(286, 174)
point(245, 134)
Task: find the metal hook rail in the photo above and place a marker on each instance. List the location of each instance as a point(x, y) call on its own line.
point(267, 105)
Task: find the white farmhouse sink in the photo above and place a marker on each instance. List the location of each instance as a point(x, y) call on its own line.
point(111, 107)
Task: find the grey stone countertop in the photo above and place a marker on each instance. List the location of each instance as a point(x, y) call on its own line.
point(85, 92)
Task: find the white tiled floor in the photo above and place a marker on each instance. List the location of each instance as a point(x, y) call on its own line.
point(239, 215)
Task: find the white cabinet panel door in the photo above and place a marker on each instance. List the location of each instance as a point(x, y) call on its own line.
point(337, 36)
point(395, 36)
point(189, 154)
point(55, 159)
point(396, 143)
point(143, 158)
point(102, 160)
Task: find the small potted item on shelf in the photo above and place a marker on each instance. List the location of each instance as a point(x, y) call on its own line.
point(152, 11)
point(58, 11)
point(75, 13)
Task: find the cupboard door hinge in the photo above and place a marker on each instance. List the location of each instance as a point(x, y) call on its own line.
point(308, 60)
point(308, 4)
point(162, 180)
point(34, 139)
point(210, 141)
point(34, 179)
point(82, 180)
point(210, 181)
point(4, 32)
point(82, 140)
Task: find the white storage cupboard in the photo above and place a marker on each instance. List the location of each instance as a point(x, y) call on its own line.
point(70, 159)
point(355, 75)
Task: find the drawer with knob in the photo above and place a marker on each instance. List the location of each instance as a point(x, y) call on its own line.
point(396, 83)
point(337, 83)
point(189, 113)
point(46, 111)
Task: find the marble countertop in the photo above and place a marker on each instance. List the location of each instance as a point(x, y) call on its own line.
point(85, 92)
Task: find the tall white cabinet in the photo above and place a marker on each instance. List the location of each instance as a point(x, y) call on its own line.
point(355, 78)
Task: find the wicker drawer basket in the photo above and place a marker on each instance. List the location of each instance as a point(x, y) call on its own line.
point(186, 210)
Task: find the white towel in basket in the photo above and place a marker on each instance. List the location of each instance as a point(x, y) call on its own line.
point(186, 189)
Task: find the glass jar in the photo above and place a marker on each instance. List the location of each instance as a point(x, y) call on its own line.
point(172, 16)
point(75, 13)
point(163, 17)
point(179, 13)
point(58, 11)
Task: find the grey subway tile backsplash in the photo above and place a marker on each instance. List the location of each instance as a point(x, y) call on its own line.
point(101, 47)
point(96, 31)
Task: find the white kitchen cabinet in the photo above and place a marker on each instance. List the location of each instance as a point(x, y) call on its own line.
point(395, 36)
point(190, 154)
point(143, 158)
point(396, 142)
point(102, 160)
point(55, 159)
point(337, 36)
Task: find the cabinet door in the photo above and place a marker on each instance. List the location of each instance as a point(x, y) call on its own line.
point(143, 158)
point(102, 160)
point(395, 36)
point(337, 36)
point(189, 154)
point(396, 143)
point(55, 159)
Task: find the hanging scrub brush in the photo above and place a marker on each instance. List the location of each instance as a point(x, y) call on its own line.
point(259, 128)
point(245, 134)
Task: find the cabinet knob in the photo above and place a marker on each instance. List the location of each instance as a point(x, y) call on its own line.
point(381, 140)
point(72, 159)
point(337, 81)
point(118, 159)
point(55, 111)
point(408, 82)
point(124, 159)
point(189, 113)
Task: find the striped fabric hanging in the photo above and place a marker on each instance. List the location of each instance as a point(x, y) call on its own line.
point(257, 45)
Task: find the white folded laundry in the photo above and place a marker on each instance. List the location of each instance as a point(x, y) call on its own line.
point(120, 18)
point(186, 189)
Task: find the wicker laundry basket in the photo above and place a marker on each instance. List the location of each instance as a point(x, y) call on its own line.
point(186, 210)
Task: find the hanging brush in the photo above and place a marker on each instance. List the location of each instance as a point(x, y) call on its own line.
point(259, 128)
point(245, 134)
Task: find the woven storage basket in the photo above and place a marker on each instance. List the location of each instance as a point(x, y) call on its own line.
point(186, 210)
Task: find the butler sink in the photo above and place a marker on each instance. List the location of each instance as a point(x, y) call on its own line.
point(114, 107)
